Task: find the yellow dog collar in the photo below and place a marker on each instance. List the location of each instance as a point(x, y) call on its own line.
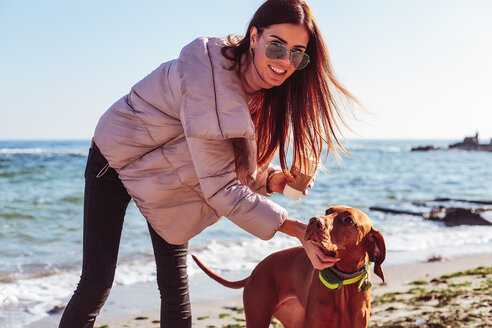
point(334, 279)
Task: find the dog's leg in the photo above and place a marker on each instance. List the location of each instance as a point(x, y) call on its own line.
point(290, 312)
point(259, 301)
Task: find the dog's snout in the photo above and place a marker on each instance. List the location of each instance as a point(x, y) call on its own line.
point(317, 223)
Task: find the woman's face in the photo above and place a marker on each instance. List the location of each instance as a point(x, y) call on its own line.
point(275, 71)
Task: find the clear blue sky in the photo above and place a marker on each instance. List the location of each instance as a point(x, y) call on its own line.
point(423, 67)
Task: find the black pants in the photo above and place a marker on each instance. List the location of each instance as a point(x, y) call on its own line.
point(105, 203)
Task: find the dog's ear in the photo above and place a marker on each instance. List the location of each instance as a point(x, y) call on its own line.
point(376, 249)
point(330, 210)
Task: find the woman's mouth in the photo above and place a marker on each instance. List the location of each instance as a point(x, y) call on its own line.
point(277, 71)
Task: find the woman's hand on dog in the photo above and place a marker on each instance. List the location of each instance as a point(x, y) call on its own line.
point(318, 258)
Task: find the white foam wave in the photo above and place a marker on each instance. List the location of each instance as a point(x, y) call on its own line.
point(381, 148)
point(28, 300)
point(43, 151)
point(60, 285)
point(422, 237)
point(241, 256)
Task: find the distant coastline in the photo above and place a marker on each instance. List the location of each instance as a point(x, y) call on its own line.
point(468, 143)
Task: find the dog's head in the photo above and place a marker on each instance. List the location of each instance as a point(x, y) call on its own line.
point(348, 233)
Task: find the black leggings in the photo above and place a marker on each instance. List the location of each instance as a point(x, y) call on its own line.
point(105, 203)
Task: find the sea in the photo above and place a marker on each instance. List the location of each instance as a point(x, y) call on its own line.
point(41, 202)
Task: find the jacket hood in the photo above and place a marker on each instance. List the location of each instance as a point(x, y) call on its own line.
point(223, 107)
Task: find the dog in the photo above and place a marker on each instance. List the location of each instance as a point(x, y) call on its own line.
point(286, 286)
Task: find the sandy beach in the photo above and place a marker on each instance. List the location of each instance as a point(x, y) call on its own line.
point(448, 293)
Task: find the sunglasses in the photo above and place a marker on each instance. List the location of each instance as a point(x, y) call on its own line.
point(276, 50)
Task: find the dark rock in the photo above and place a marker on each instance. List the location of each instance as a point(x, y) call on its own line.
point(457, 216)
point(56, 309)
point(424, 148)
point(437, 258)
point(468, 143)
point(482, 202)
point(471, 143)
point(436, 214)
point(392, 211)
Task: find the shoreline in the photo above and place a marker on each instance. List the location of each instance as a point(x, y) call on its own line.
point(138, 305)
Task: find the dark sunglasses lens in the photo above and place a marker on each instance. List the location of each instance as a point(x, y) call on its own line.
point(299, 60)
point(275, 50)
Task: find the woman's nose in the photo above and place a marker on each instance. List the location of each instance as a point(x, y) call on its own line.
point(286, 59)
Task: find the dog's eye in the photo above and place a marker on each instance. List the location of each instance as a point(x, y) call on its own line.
point(348, 220)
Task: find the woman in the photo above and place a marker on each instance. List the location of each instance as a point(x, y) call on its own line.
point(192, 142)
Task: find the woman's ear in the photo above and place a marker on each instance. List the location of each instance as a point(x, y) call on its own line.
point(253, 37)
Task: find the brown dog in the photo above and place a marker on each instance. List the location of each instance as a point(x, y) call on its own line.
point(285, 284)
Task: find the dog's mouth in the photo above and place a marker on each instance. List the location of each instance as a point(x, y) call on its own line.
point(330, 253)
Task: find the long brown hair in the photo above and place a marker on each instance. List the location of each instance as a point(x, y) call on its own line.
point(307, 105)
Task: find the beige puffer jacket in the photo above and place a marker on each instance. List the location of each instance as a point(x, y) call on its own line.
point(173, 140)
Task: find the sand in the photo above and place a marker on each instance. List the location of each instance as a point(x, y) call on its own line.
point(416, 295)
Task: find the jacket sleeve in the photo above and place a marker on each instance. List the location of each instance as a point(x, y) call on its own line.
point(213, 160)
point(259, 185)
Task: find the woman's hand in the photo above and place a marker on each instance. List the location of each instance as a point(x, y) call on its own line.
point(276, 182)
point(318, 258)
point(310, 185)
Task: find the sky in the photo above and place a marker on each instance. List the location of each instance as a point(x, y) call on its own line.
point(422, 68)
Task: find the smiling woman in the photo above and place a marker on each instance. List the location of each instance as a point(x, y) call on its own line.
point(288, 78)
point(275, 58)
point(183, 145)
point(276, 50)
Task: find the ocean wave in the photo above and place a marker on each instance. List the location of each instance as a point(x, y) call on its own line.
point(247, 253)
point(421, 235)
point(16, 216)
point(13, 277)
point(78, 200)
point(43, 151)
point(382, 149)
point(56, 283)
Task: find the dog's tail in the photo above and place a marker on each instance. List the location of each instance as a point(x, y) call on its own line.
point(220, 280)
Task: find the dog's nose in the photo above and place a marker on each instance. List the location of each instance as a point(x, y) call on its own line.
point(317, 223)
